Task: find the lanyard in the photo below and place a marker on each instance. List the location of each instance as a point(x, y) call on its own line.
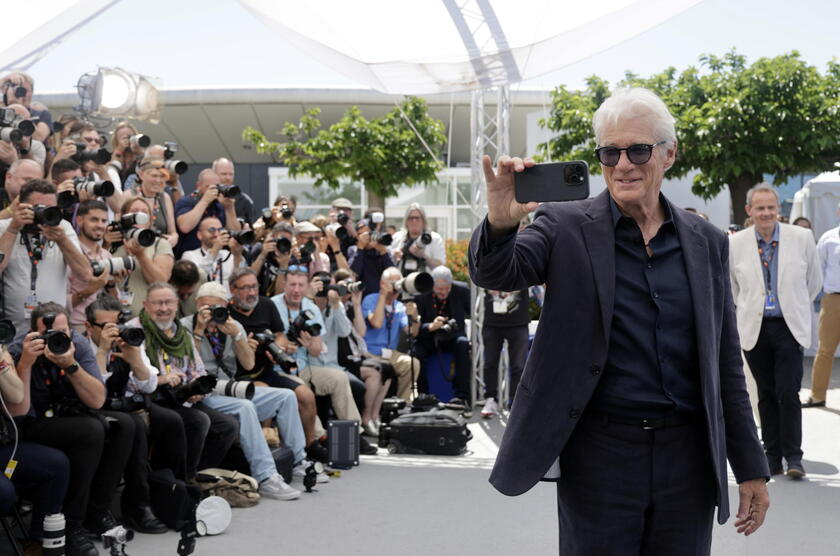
point(166, 364)
point(216, 266)
point(154, 207)
point(33, 259)
point(767, 258)
point(440, 306)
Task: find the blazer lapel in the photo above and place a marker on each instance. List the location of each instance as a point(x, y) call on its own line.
point(599, 235)
point(695, 250)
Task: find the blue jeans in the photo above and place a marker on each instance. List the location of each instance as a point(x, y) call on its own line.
point(268, 403)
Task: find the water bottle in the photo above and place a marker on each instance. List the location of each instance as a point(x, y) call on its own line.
point(53, 543)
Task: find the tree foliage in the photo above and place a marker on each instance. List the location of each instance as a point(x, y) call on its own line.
point(735, 122)
point(384, 152)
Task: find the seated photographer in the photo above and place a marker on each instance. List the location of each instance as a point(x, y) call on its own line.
point(42, 473)
point(386, 317)
point(244, 204)
point(20, 172)
point(153, 254)
point(91, 222)
point(415, 247)
point(130, 379)
point(186, 278)
point(218, 255)
point(153, 176)
point(303, 324)
point(170, 348)
point(271, 258)
point(64, 389)
point(223, 346)
point(442, 314)
point(261, 320)
point(370, 256)
point(39, 247)
point(207, 200)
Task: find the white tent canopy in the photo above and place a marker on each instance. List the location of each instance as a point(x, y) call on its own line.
point(818, 201)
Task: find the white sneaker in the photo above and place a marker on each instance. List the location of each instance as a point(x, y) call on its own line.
point(276, 487)
point(490, 409)
point(371, 428)
point(299, 472)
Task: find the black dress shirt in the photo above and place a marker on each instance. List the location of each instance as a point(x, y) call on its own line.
point(652, 363)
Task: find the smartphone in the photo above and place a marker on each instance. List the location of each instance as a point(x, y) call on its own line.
point(554, 181)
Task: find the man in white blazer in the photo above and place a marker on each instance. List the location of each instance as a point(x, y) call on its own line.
point(775, 276)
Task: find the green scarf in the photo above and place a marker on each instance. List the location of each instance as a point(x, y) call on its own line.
point(178, 345)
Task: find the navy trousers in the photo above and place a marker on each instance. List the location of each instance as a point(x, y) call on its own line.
point(628, 491)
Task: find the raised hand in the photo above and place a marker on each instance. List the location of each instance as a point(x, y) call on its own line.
point(503, 211)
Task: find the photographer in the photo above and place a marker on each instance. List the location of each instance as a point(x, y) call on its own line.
point(218, 254)
point(154, 262)
point(126, 152)
point(153, 176)
point(42, 472)
point(302, 322)
point(257, 314)
point(223, 346)
point(170, 348)
point(202, 203)
point(63, 385)
point(370, 257)
point(37, 253)
point(78, 157)
point(186, 279)
point(92, 222)
point(25, 147)
point(18, 87)
point(442, 314)
point(272, 258)
point(415, 247)
point(129, 380)
point(309, 247)
point(20, 172)
point(386, 317)
point(244, 204)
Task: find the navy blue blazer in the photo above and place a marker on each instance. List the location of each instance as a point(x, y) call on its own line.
point(570, 247)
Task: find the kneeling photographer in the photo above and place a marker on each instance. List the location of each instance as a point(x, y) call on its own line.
point(222, 344)
point(63, 384)
point(130, 379)
point(442, 313)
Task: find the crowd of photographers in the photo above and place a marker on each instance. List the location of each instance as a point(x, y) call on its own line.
point(146, 328)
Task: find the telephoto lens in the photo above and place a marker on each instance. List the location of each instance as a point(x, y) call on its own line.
point(353, 287)
point(140, 140)
point(342, 218)
point(132, 335)
point(284, 245)
point(128, 221)
point(228, 191)
point(47, 216)
point(219, 314)
point(243, 237)
point(200, 386)
point(93, 186)
point(178, 166)
point(10, 135)
point(415, 283)
point(113, 265)
point(7, 331)
point(268, 218)
point(53, 542)
point(242, 389)
point(425, 238)
point(144, 237)
point(26, 127)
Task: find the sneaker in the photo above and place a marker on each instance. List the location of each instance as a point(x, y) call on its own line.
point(490, 409)
point(77, 543)
point(365, 448)
point(276, 487)
point(371, 429)
point(795, 470)
point(299, 472)
point(316, 452)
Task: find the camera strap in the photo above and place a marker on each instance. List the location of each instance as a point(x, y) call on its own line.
point(52, 376)
point(34, 259)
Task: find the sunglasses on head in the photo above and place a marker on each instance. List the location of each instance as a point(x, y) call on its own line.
point(637, 154)
point(298, 269)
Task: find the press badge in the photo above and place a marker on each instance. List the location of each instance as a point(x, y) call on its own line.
point(500, 306)
point(411, 264)
point(30, 304)
point(770, 302)
point(126, 298)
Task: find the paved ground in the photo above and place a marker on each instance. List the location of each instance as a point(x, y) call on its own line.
point(412, 505)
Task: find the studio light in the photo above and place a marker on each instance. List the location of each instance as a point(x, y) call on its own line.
point(117, 93)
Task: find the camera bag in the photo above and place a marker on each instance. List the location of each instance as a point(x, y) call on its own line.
point(342, 443)
point(173, 501)
point(437, 432)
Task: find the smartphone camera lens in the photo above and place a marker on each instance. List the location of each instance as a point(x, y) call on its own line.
point(575, 174)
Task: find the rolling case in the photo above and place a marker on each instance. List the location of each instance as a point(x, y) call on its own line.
point(343, 443)
point(437, 432)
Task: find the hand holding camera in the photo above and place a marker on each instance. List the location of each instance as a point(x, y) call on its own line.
point(22, 217)
point(8, 153)
point(61, 360)
point(210, 195)
point(33, 348)
point(435, 324)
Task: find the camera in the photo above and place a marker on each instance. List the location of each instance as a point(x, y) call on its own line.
point(83, 154)
point(201, 386)
point(377, 217)
point(266, 343)
point(268, 218)
point(132, 335)
point(342, 218)
point(129, 220)
point(10, 126)
point(170, 148)
point(302, 323)
point(425, 238)
point(306, 252)
point(219, 313)
point(144, 237)
point(243, 237)
point(381, 238)
point(129, 404)
point(353, 287)
point(113, 265)
point(94, 185)
point(344, 236)
point(58, 342)
point(448, 328)
point(115, 539)
point(284, 245)
point(7, 331)
point(242, 389)
point(45, 216)
point(10, 134)
point(229, 191)
point(415, 283)
point(286, 211)
point(140, 140)
point(178, 166)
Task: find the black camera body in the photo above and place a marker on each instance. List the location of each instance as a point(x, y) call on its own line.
point(266, 343)
point(129, 404)
point(201, 386)
point(243, 237)
point(424, 239)
point(448, 330)
point(286, 211)
point(342, 218)
point(302, 323)
point(7, 331)
point(284, 245)
point(46, 216)
point(132, 335)
point(219, 313)
point(229, 191)
point(83, 154)
point(382, 238)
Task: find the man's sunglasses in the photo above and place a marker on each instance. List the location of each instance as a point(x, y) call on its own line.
point(637, 154)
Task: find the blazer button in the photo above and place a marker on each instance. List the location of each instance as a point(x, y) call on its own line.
point(574, 413)
point(595, 370)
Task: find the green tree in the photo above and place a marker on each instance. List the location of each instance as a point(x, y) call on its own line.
point(735, 123)
point(384, 152)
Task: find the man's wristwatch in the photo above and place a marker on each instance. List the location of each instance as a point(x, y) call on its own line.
point(71, 369)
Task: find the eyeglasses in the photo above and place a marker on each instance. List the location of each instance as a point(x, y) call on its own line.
point(298, 268)
point(213, 230)
point(248, 287)
point(163, 303)
point(98, 324)
point(637, 154)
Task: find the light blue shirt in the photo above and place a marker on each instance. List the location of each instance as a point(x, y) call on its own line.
point(287, 315)
point(388, 336)
point(773, 267)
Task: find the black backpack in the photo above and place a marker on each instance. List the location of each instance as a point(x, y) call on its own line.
point(173, 501)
